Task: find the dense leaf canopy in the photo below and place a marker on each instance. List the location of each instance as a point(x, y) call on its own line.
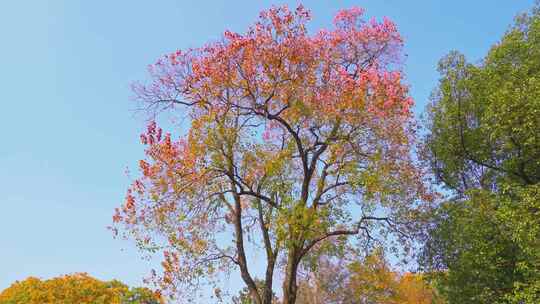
point(78, 288)
point(483, 145)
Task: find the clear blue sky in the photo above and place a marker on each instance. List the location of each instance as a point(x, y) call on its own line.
point(66, 125)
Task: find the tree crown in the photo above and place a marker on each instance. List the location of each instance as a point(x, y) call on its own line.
point(301, 137)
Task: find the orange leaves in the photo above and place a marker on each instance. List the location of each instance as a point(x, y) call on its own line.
point(130, 201)
point(278, 58)
point(370, 280)
point(413, 289)
point(287, 130)
point(168, 159)
point(76, 288)
point(348, 17)
point(145, 167)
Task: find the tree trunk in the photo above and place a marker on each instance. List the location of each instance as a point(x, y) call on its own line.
point(242, 261)
point(289, 284)
point(268, 295)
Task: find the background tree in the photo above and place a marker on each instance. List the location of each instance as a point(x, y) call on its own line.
point(364, 281)
point(327, 282)
point(76, 288)
point(293, 139)
point(483, 145)
point(372, 280)
point(415, 288)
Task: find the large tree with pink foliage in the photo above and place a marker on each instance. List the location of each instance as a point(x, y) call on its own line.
point(296, 145)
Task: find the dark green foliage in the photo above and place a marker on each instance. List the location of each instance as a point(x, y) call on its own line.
point(483, 145)
point(475, 255)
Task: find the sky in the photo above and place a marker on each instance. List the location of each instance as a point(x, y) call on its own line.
point(68, 129)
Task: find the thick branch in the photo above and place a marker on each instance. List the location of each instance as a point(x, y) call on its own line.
point(339, 232)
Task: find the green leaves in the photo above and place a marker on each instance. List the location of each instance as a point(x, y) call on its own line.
point(483, 144)
point(476, 253)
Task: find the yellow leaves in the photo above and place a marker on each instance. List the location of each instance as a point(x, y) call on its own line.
point(274, 165)
point(413, 289)
point(163, 184)
point(77, 288)
point(299, 220)
point(261, 108)
point(199, 245)
point(374, 281)
point(367, 280)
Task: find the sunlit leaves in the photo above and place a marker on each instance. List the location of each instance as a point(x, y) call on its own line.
point(293, 138)
point(76, 288)
point(483, 145)
point(364, 280)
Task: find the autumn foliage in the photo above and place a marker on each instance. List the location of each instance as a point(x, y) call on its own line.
point(292, 138)
point(78, 288)
point(367, 280)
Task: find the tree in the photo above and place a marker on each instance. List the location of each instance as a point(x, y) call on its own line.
point(372, 280)
point(483, 145)
point(364, 281)
point(76, 288)
point(475, 257)
point(293, 139)
point(480, 245)
point(415, 289)
point(326, 283)
point(520, 214)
